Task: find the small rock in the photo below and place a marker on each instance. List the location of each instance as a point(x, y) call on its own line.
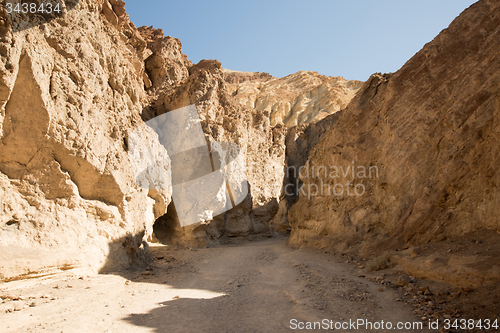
point(175, 297)
point(414, 252)
point(380, 289)
point(404, 280)
point(447, 316)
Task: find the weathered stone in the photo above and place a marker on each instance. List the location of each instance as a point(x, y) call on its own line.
point(431, 130)
point(296, 99)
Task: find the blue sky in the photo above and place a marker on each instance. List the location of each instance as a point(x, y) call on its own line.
point(349, 38)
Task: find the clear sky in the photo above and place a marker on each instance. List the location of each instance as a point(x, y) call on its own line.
point(349, 38)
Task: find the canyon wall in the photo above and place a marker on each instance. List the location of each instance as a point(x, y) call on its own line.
point(413, 161)
point(224, 120)
point(72, 90)
point(296, 99)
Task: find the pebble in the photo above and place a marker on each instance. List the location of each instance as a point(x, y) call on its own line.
point(404, 280)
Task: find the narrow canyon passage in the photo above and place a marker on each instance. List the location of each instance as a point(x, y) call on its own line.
point(259, 286)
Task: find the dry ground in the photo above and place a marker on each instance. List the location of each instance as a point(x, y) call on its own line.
point(250, 287)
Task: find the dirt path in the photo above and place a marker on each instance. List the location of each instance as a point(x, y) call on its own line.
point(251, 287)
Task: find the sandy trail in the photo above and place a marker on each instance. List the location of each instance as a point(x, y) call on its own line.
point(250, 287)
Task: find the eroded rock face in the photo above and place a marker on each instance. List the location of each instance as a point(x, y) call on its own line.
point(224, 120)
point(296, 99)
point(432, 131)
point(72, 92)
point(298, 142)
point(71, 89)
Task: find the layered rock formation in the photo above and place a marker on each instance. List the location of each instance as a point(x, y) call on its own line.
point(71, 92)
point(223, 120)
point(299, 142)
point(296, 99)
point(416, 155)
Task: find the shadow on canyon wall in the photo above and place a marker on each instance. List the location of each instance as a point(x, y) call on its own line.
point(299, 142)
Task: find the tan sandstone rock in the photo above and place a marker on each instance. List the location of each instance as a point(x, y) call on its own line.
point(296, 99)
point(432, 131)
point(73, 91)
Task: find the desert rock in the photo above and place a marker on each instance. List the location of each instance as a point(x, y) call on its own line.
point(429, 133)
point(296, 99)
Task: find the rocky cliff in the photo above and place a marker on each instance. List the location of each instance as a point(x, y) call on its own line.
point(224, 120)
point(296, 99)
point(409, 171)
point(72, 91)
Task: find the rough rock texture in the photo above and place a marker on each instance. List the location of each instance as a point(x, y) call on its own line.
point(71, 92)
point(224, 120)
point(299, 141)
point(296, 99)
point(433, 130)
